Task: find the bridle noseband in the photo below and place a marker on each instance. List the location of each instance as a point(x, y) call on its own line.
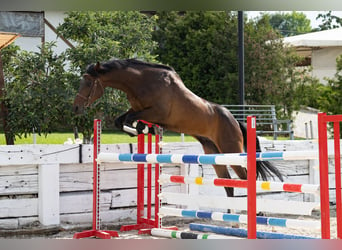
point(93, 88)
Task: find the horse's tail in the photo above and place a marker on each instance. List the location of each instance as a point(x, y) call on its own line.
point(264, 168)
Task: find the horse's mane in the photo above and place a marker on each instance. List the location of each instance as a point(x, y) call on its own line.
point(119, 64)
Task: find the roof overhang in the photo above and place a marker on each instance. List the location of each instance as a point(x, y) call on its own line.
point(325, 38)
point(7, 38)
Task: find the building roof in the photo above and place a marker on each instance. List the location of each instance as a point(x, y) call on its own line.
point(7, 38)
point(326, 38)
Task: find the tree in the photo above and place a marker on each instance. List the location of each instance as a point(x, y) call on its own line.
point(331, 98)
point(100, 36)
point(37, 91)
point(5, 57)
point(202, 47)
point(329, 21)
point(289, 24)
point(272, 75)
point(41, 87)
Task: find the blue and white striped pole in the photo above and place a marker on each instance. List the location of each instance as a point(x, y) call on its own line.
point(240, 232)
point(219, 159)
point(238, 218)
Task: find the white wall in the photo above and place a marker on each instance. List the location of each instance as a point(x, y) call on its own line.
point(324, 62)
point(306, 116)
point(33, 43)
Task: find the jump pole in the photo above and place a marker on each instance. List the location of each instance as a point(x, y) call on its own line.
point(175, 234)
point(323, 120)
point(96, 231)
point(240, 232)
point(208, 159)
point(221, 182)
point(238, 218)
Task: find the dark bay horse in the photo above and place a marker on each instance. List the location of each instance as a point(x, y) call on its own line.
point(157, 94)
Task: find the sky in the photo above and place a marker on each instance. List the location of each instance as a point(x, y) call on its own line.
point(310, 15)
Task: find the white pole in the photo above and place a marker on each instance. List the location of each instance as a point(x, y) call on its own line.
point(34, 137)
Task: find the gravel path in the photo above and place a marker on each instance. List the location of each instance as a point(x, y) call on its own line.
point(67, 231)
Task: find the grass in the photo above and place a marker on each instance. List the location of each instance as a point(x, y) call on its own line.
point(112, 137)
point(106, 138)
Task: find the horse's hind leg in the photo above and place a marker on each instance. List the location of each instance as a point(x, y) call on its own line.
point(221, 170)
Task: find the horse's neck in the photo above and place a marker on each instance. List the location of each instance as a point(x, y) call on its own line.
point(123, 81)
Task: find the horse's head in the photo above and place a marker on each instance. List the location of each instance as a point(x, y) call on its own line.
point(89, 91)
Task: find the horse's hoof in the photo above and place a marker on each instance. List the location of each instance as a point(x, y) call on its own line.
point(134, 124)
point(142, 128)
point(130, 131)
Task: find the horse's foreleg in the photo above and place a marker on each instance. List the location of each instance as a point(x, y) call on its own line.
point(121, 123)
point(130, 124)
point(120, 120)
point(151, 115)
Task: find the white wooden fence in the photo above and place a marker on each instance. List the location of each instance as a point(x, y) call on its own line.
point(47, 183)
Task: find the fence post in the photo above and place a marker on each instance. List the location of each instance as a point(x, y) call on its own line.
point(48, 194)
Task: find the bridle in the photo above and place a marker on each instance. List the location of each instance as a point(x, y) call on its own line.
point(93, 88)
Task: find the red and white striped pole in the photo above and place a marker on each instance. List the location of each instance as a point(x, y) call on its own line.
point(96, 231)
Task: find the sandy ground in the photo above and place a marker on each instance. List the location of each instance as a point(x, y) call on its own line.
point(67, 231)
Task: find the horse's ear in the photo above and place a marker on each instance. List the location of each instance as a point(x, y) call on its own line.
point(86, 75)
point(97, 67)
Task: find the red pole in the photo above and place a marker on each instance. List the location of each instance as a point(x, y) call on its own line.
point(323, 176)
point(251, 177)
point(96, 192)
point(338, 178)
point(140, 184)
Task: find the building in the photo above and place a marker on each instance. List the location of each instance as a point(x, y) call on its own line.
point(320, 50)
point(34, 28)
